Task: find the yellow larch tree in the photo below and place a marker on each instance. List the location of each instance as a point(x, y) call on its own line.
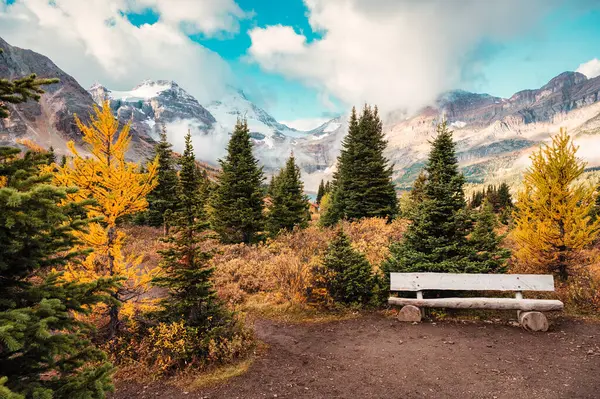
point(117, 188)
point(552, 217)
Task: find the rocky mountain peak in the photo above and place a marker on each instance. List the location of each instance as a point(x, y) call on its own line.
point(99, 93)
point(564, 80)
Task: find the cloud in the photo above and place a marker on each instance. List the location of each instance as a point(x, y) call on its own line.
point(94, 41)
point(276, 40)
point(209, 17)
point(591, 69)
point(395, 53)
point(305, 124)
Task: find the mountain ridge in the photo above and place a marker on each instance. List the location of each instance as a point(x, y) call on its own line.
point(494, 135)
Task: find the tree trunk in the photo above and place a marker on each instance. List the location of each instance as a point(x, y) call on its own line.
point(114, 309)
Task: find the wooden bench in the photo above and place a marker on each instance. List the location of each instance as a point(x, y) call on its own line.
point(528, 310)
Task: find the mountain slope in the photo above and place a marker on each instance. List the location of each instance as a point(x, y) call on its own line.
point(152, 104)
point(51, 121)
point(495, 136)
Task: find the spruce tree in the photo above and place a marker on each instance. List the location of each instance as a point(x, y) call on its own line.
point(363, 184)
point(346, 273)
point(45, 350)
point(320, 192)
point(289, 205)
point(162, 201)
point(186, 271)
point(238, 199)
point(436, 240)
point(504, 197)
point(485, 243)
point(415, 196)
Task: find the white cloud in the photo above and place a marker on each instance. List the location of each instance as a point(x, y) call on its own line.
point(275, 40)
point(305, 124)
point(93, 41)
point(591, 69)
point(395, 53)
point(209, 17)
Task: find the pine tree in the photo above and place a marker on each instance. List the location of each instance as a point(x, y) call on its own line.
point(20, 90)
point(51, 156)
point(477, 199)
point(486, 244)
point(436, 240)
point(289, 205)
point(119, 189)
point(552, 216)
point(363, 185)
point(504, 197)
point(320, 192)
point(416, 195)
point(162, 201)
point(238, 200)
point(346, 273)
point(45, 350)
point(186, 271)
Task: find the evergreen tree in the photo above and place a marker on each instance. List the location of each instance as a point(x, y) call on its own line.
point(552, 216)
point(289, 205)
point(477, 199)
point(346, 273)
point(238, 200)
point(436, 240)
point(162, 201)
point(363, 185)
point(485, 243)
point(504, 197)
point(320, 192)
point(51, 156)
point(415, 196)
point(186, 271)
point(45, 352)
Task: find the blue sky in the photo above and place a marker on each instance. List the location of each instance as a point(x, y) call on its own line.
point(565, 38)
point(286, 99)
point(308, 61)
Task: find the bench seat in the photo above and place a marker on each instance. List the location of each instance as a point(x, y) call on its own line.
point(540, 305)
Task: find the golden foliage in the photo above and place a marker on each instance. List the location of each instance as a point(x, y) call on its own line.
point(118, 188)
point(283, 267)
point(172, 346)
point(552, 217)
point(31, 146)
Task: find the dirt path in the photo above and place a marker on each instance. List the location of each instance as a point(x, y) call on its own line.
point(377, 357)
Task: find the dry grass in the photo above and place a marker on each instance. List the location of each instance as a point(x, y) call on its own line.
point(281, 270)
point(220, 374)
point(274, 279)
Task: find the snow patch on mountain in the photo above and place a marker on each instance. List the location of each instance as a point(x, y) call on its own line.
point(146, 90)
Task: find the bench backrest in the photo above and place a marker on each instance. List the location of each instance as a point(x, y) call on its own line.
point(470, 282)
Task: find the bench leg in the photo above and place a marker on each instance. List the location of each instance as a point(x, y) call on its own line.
point(409, 313)
point(533, 321)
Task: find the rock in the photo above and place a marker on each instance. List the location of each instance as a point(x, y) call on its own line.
point(409, 313)
point(533, 321)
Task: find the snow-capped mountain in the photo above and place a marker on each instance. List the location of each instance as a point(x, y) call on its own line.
point(153, 104)
point(494, 136)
